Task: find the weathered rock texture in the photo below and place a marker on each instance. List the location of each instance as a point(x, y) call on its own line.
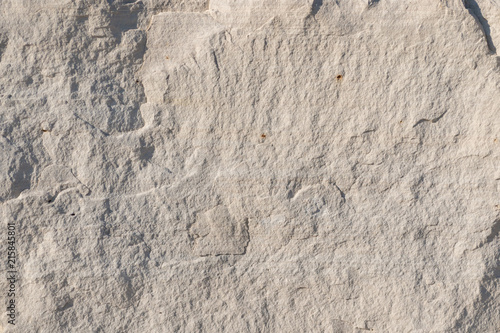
point(252, 165)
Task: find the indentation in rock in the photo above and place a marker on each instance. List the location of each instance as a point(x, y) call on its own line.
point(475, 11)
point(3, 45)
point(65, 304)
point(146, 153)
point(15, 171)
point(124, 17)
point(434, 120)
point(495, 231)
point(316, 6)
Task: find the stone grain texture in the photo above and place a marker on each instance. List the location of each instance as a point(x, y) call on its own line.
point(251, 165)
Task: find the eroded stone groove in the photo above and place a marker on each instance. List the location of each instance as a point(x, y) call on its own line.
point(475, 11)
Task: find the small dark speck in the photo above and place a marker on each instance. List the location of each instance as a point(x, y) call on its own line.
point(339, 77)
point(9, 96)
point(263, 136)
point(72, 214)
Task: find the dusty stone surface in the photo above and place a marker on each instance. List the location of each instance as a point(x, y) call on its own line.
point(251, 165)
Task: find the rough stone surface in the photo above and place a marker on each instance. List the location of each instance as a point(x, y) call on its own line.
point(251, 165)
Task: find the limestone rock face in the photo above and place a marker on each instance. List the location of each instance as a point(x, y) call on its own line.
point(251, 165)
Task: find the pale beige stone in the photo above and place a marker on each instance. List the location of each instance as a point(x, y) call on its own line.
point(251, 166)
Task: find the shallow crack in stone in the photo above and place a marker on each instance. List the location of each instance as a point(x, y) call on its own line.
point(434, 120)
point(316, 6)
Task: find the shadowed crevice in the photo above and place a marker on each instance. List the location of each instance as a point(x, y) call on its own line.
point(435, 120)
point(495, 231)
point(316, 5)
point(475, 11)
